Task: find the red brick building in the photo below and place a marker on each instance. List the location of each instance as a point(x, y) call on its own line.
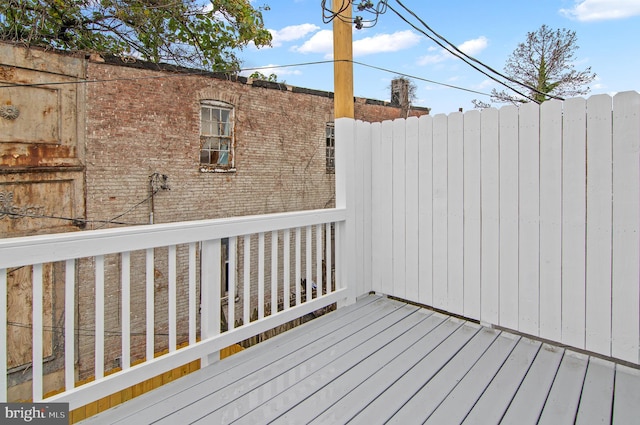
point(158, 144)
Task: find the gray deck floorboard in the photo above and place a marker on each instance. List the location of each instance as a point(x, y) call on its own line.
point(596, 400)
point(384, 361)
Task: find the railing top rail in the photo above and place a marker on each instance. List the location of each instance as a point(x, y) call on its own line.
point(16, 252)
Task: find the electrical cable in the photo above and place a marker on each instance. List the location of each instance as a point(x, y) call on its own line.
point(86, 332)
point(11, 214)
point(458, 56)
point(419, 78)
point(471, 58)
point(259, 68)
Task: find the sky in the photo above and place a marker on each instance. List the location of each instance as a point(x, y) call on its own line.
point(608, 36)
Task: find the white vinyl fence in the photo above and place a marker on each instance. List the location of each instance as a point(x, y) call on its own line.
point(526, 218)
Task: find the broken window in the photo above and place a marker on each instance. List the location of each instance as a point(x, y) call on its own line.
point(330, 137)
point(216, 135)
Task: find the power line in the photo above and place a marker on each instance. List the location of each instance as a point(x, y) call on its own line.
point(77, 221)
point(86, 331)
point(13, 214)
point(258, 68)
point(452, 52)
point(463, 56)
point(420, 78)
point(185, 73)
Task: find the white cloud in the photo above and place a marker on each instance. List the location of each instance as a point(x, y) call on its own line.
point(290, 33)
point(600, 10)
point(382, 43)
point(470, 47)
point(322, 42)
point(475, 46)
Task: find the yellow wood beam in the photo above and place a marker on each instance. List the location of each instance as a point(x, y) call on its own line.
point(343, 56)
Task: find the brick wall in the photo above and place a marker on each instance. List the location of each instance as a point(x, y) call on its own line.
point(141, 121)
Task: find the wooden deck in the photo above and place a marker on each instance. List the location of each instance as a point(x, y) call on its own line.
point(381, 361)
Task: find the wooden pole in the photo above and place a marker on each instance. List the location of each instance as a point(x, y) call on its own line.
point(343, 56)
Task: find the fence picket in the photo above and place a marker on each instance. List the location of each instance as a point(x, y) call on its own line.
point(551, 220)
point(425, 206)
point(440, 244)
point(365, 153)
point(574, 201)
point(398, 215)
point(412, 205)
point(529, 219)
point(509, 294)
point(384, 203)
point(455, 212)
point(599, 181)
point(625, 290)
point(379, 204)
point(490, 210)
point(472, 218)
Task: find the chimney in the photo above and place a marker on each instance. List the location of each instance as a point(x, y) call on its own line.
point(400, 94)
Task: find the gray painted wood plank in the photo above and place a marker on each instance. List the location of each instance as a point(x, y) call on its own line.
point(494, 402)
point(626, 400)
point(562, 404)
point(245, 395)
point(362, 384)
point(442, 387)
point(467, 392)
point(597, 393)
point(175, 394)
point(380, 357)
point(448, 360)
point(528, 402)
point(305, 400)
point(353, 389)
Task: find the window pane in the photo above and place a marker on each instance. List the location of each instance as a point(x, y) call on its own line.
point(224, 122)
point(216, 135)
point(208, 143)
point(223, 159)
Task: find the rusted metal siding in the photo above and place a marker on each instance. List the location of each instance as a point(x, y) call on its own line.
point(41, 141)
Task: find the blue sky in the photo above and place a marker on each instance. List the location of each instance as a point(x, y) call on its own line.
point(608, 33)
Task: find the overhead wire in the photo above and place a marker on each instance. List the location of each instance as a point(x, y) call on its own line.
point(455, 53)
point(76, 221)
point(258, 68)
point(471, 58)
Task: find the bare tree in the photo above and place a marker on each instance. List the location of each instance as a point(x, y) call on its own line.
point(545, 63)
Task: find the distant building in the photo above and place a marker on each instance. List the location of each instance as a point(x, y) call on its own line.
point(89, 143)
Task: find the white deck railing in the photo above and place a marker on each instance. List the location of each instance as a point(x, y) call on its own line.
point(107, 264)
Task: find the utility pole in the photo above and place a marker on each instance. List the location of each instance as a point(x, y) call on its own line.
point(342, 56)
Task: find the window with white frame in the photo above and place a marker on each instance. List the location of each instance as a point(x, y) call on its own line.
point(216, 136)
point(330, 139)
